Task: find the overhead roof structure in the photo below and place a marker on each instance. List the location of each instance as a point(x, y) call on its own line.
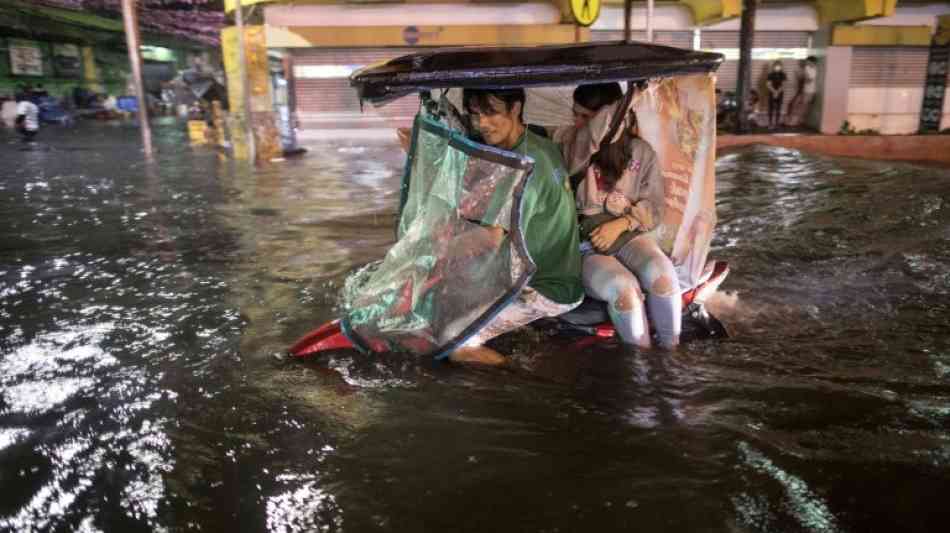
point(196, 21)
point(499, 67)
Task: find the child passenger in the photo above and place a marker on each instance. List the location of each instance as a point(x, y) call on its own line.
point(620, 202)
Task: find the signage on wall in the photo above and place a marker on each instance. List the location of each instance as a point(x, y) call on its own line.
point(67, 61)
point(26, 58)
point(412, 34)
point(585, 12)
point(931, 110)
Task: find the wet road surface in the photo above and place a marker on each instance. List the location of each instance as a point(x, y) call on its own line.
point(142, 307)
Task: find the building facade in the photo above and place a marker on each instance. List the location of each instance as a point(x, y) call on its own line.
point(872, 55)
point(61, 50)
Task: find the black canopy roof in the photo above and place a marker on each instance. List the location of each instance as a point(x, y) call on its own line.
point(501, 67)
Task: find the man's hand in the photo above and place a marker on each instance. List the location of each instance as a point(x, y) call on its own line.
point(604, 235)
point(405, 138)
point(482, 239)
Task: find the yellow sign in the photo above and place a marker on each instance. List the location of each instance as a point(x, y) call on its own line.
point(585, 11)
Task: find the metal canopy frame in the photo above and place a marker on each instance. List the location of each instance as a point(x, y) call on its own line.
point(505, 67)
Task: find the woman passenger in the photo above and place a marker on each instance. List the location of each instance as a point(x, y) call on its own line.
point(620, 202)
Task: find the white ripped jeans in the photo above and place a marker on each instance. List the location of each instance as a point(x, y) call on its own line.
point(621, 279)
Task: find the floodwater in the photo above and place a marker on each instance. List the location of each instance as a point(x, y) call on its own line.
point(142, 310)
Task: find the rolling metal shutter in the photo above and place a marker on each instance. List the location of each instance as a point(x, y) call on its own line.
point(889, 66)
point(325, 98)
point(728, 72)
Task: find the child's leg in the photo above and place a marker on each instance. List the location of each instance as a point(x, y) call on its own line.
point(607, 279)
point(657, 276)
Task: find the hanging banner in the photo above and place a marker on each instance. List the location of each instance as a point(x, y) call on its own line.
point(67, 60)
point(26, 58)
point(677, 116)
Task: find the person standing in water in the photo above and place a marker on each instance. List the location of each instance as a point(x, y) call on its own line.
point(620, 201)
point(776, 84)
point(27, 118)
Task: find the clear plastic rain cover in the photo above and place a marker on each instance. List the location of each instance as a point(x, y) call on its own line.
point(446, 275)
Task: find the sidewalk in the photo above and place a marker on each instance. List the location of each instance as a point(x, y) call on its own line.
point(925, 148)
point(922, 148)
point(367, 127)
point(375, 135)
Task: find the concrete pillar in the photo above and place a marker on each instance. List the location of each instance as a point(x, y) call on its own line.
point(834, 82)
point(266, 136)
point(746, 33)
point(133, 45)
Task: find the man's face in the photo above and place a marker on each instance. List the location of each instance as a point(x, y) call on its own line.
point(497, 124)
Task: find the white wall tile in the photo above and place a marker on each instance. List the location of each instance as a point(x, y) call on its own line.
point(900, 100)
point(900, 124)
point(864, 122)
point(865, 100)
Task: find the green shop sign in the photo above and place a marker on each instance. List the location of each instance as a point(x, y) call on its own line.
point(157, 53)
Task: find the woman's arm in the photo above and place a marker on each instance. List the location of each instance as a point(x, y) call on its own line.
point(645, 190)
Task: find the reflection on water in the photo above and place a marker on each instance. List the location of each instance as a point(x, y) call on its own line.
point(141, 308)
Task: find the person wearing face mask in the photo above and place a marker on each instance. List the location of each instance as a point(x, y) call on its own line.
point(620, 201)
point(775, 85)
point(549, 221)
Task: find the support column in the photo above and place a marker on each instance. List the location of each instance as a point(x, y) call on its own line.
point(746, 34)
point(627, 15)
point(834, 89)
point(263, 126)
point(649, 21)
point(245, 83)
point(288, 62)
point(132, 40)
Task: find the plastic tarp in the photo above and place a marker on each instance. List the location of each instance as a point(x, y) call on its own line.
point(446, 276)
